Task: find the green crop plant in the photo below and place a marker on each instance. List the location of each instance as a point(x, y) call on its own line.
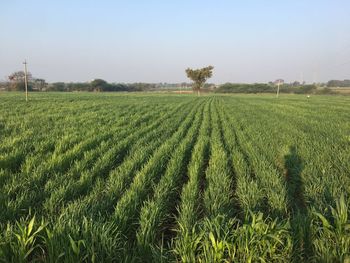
point(160, 177)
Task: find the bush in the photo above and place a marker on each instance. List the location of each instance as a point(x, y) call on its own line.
point(306, 89)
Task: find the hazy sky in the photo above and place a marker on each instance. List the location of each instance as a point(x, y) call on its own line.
point(155, 40)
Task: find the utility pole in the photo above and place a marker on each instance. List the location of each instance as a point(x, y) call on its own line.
point(278, 88)
point(25, 79)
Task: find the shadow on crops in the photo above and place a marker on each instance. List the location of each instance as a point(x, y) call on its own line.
point(299, 215)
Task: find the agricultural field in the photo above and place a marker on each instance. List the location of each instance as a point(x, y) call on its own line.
point(174, 178)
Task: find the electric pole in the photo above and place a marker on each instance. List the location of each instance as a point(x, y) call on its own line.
point(278, 88)
point(25, 79)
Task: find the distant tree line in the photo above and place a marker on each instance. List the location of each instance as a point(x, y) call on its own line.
point(99, 85)
point(338, 83)
point(15, 82)
point(271, 88)
point(245, 88)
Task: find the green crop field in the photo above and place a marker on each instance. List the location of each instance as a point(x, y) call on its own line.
point(174, 178)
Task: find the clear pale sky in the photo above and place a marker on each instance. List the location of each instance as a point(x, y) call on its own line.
point(155, 40)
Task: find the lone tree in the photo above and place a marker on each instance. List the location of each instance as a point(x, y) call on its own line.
point(199, 77)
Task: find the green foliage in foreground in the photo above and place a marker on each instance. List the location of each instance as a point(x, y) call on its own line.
point(174, 178)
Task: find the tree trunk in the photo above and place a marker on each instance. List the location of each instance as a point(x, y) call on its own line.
point(198, 92)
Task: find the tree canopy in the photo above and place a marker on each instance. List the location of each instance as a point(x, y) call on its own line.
point(199, 76)
point(99, 84)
